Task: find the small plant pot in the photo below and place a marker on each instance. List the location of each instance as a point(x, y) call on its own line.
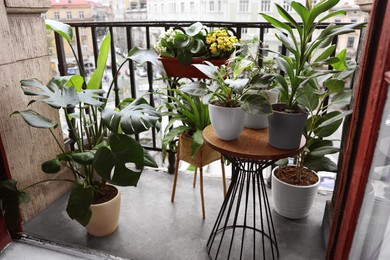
point(204, 156)
point(285, 129)
point(256, 121)
point(227, 122)
point(105, 217)
point(174, 68)
point(293, 201)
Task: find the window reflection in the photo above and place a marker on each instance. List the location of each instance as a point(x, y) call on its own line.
point(372, 235)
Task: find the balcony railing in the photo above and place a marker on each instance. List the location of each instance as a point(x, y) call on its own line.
point(257, 29)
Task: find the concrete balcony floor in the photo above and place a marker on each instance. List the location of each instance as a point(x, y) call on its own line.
point(151, 227)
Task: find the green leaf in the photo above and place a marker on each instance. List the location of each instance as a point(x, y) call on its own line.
point(320, 164)
point(35, 119)
point(197, 88)
point(341, 64)
point(76, 81)
point(79, 202)
point(328, 124)
point(309, 98)
point(278, 24)
point(92, 97)
point(301, 11)
point(96, 78)
point(63, 29)
point(332, 14)
point(198, 47)
point(194, 29)
point(321, 151)
point(53, 94)
point(172, 133)
point(334, 85)
point(333, 117)
point(84, 158)
point(196, 142)
point(326, 53)
point(140, 56)
point(149, 160)
point(284, 63)
point(51, 166)
point(256, 104)
point(135, 118)
point(184, 58)
point(207, 69)
point(123, 163)
point(11, 197)
point(182, 41)
point(343, 98)
point(288, 18)
point(320, 8)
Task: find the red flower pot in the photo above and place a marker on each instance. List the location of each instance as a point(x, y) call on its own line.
point(174, 68)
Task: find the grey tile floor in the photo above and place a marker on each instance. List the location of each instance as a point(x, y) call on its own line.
point(151, 227)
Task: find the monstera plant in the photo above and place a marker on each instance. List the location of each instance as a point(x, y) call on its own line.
point(102, 135)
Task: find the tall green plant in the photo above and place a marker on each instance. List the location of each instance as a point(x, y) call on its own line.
point(310, 49)
point(91, 122)
point(314, 77)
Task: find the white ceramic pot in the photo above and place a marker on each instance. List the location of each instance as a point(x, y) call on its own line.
point(227, 122)
point(292, 201)
point(105, 217)
point(256, 121)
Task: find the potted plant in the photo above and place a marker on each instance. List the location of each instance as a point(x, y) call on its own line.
point(193, 116)
point(310, 51)
point(229, 94)
point(260, 79)
point(178, 49)
point(294, 187)
point(104, 153)
point(308, 88)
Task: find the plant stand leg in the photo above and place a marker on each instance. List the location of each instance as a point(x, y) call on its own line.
point(196, 171)
point(175, 178)
point(223, 177)
point(201, 191)
point(244, 227)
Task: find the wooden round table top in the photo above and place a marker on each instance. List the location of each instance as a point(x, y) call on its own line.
point(251, 144)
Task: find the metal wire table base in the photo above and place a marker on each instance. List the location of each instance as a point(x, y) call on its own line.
point(244, 227)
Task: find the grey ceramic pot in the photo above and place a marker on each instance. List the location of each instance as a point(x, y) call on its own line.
point(285, 129)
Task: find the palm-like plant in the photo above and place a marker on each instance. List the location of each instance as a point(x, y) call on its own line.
point(310, 50)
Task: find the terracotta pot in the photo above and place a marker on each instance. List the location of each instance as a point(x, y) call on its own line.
point(105, 217)
point(292, 201)
point(174, 68)
point(204, 156)
point(227, 122)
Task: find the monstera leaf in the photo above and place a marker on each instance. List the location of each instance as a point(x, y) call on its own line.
point(79, 202)
point(122, 163)
point(35, 119)
point(135, 116)
point(54, 94)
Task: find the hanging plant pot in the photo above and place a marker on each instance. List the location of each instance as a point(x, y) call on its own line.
point(174, 68)
point(293, 201)
point(256, 121)
point(227, 122)
point(285, 129)
point(105, 216)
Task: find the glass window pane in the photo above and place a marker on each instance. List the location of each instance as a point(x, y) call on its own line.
point(372, 235)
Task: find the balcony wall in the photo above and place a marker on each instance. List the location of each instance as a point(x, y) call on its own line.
point(24, 54)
